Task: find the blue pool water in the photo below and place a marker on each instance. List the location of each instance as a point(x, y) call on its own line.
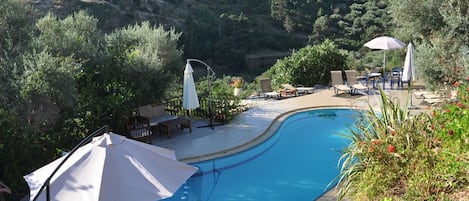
point(297, 163)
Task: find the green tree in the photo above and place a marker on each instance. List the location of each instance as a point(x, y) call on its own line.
point(48, 82)
point(149, 59)
point(439, 30)
point(77, 35)
point(351, 24)
point(296, 15)
point(16, 25)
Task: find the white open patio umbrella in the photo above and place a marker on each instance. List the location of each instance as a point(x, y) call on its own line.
point(190, 100)
point(384, 43)
point(112, 168)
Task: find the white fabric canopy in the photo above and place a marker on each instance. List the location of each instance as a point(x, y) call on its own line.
point(384, 43)
point(408, 73)
point(189, 97)
point(112, 168)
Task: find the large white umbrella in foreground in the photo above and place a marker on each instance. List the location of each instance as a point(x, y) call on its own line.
point(384, 43)
point(112, 168)
point(189, 97)
point(408, 74)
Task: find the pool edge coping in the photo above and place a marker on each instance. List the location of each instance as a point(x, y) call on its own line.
point(266, 134)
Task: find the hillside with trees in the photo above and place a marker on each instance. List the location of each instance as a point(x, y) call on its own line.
point(242, 37)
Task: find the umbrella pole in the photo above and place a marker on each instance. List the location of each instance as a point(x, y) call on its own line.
point(210, 74)
point(384, 70)
point(46, 184)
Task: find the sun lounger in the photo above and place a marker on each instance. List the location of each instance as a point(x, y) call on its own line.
point(432, 101)
point(301, 90)
point(426, 95)
point(338, 83)
point(288, 90)
point(354, 83)
point(429, 98)
point(267, 91)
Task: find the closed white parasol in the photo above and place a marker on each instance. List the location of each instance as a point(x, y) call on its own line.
point(408, 73)
point(190, 100)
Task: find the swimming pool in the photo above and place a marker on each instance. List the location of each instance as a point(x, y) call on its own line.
point(296, 163)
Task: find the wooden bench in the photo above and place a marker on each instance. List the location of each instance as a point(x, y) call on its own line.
point(181, 122)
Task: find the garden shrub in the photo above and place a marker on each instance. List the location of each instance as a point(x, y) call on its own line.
point(394, 156)
point(309, 66)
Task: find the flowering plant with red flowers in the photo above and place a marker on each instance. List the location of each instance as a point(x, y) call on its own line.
point(397, 156)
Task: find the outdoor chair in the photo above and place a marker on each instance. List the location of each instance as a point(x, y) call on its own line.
point(396, 77)
point(138, 128)
point(266, 88)
point(353, 82)
point(338, 83)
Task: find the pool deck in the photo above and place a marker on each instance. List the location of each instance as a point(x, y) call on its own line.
point(261, 120)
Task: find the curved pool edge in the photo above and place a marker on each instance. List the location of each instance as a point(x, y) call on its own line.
point(266, 134)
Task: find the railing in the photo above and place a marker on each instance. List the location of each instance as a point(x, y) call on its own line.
point(223, 109)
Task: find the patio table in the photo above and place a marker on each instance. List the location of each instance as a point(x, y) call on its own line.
point(166, 126)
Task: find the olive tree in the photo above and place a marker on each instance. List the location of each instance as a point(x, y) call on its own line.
point(439, 30)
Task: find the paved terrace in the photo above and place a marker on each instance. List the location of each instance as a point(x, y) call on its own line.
point(261, 120)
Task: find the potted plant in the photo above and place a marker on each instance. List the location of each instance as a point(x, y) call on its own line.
point(237, 83)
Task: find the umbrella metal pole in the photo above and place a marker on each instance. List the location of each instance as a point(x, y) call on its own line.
point(210, 74)
point(46, 184)
point(384, 69)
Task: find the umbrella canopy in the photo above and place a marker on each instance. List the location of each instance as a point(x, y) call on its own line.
point(189, 97)
point(408, 73)
point(112, 168)
point(384, 43)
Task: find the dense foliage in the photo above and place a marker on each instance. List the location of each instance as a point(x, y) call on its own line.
point(63, 78)
point(309, 66)
point(439, 30)
point(396, 156)
point(226, 33)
